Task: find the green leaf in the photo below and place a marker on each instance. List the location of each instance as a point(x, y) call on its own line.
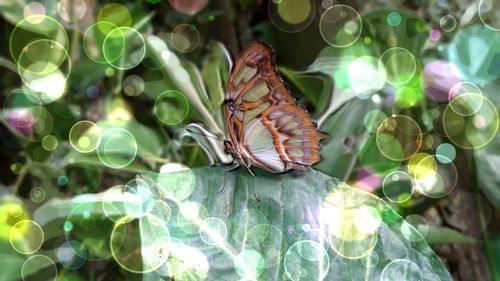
point(334, 68)
point(315, 87)
point(487, 163)
point(492, 247)
point(182, 73)
point(487, 159)
point(341, 150)
point(306, 226)
point(147, 140)
point(157, 82)
point(196, 79)
point(445, 235)
point(12, 10)
point(96, 205)
point(85, 73)
point(12, 262)
point(215, 72)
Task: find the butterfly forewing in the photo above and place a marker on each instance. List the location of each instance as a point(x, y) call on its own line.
point(266, 126)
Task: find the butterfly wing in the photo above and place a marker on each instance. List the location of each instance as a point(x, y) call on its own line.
point(265, 124)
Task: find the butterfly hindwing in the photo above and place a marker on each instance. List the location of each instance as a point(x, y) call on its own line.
point(265, 124)
point(295, 135)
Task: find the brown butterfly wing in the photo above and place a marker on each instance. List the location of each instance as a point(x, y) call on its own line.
point(266, 126)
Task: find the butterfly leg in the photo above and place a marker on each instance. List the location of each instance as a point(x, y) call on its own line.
point(254, 186)
point(223, 187)
point(255, 189)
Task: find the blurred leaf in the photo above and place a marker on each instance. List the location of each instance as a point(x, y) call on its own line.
point(146, 138)
point(11, 267)
point(70, 276)
point(12, 262)
point(12, 10)
point(215, 72)
point(85, 73)
point(175, 68)
point(315, 87)
point(196, 79)
point(445, 235)
point(142, 22)
point(91, 204)
point(264, 237)
point(157, 82)
point(341, 149)
point(487, 158)
point(410, 34)
point(487, 162)
point(492, 247)
point(335, 67)
point(474, 52)
point(134, 167)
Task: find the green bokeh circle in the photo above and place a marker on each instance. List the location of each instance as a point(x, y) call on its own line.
point(124, 48)
point(340, 26)
point(93, 40)
point(397, 66)
point(35, 27)
point(171, 107)
point(118, 148)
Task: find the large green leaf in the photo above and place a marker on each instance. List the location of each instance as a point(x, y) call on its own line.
point(306, 226)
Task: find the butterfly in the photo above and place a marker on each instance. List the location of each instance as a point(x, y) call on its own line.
point(266, 126)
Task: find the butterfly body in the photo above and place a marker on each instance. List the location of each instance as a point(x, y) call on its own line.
point(266, 127)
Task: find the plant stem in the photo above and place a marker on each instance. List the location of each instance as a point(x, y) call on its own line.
point(176, 157)
point(8, 64)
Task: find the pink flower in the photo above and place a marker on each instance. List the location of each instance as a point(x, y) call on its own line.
point(21, 120)
point(439, 76)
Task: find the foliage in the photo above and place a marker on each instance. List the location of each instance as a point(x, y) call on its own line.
point(95, 94)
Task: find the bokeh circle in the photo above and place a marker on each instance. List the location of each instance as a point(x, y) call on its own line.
point(340, 26)
point(118, 148)
point(26, 237)
point(397, 66)
point(185, 38)
point(171, 107)
point(291, 15)
point(44, 266)
point(398, 137)
point(306, 260)
point(124, 48)
point(85, 136)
